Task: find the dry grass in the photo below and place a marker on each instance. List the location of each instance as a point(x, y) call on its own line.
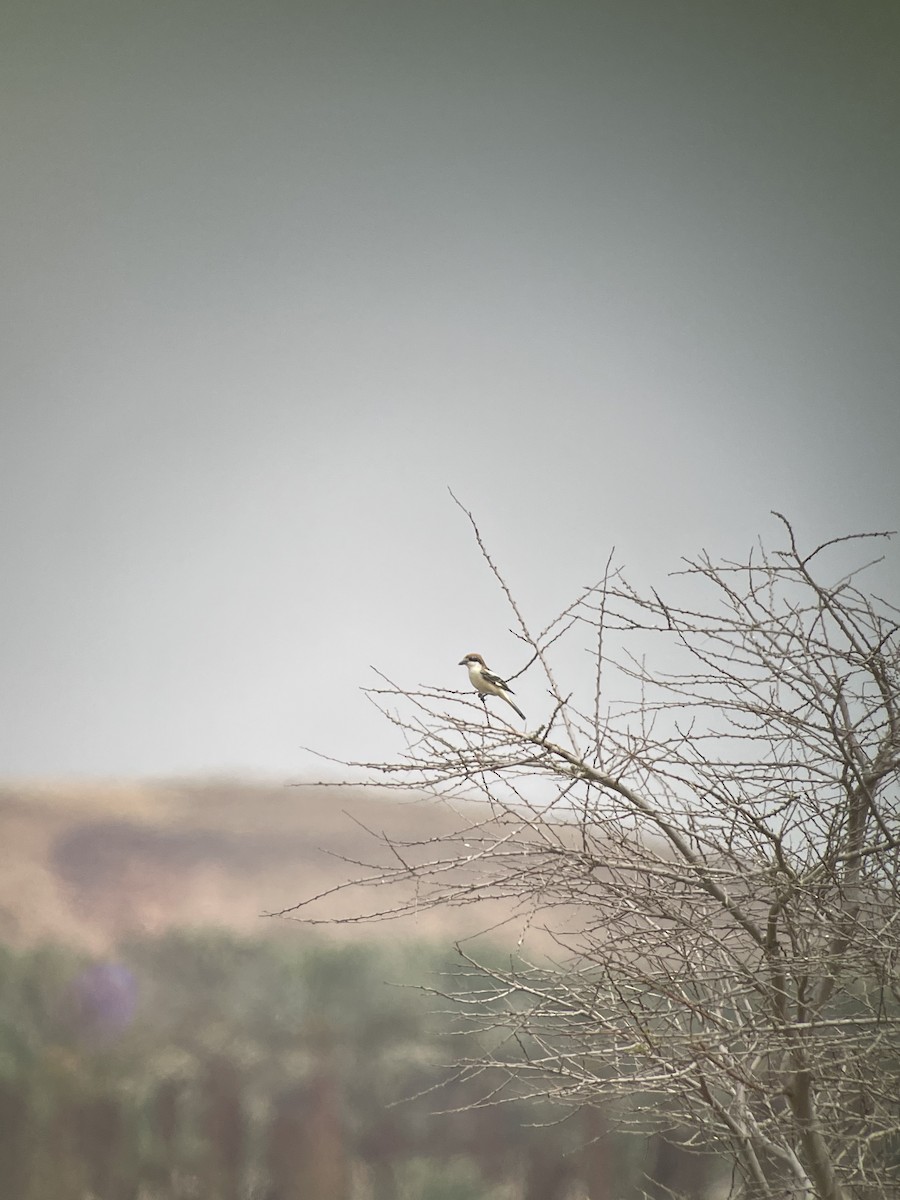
point(87, 863)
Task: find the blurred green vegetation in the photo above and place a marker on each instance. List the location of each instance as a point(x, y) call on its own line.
point(200, 1064)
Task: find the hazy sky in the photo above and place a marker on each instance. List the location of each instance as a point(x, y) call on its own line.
point(276, 273)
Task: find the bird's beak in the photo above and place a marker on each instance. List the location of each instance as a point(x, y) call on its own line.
point(462, 663)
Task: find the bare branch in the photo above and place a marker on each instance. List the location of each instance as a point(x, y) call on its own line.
point(700, 846)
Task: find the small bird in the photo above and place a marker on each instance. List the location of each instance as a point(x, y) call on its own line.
point(486, 683)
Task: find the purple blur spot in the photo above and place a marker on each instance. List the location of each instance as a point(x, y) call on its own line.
point(106, 998)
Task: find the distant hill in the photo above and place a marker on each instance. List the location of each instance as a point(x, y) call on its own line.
point(87, 863)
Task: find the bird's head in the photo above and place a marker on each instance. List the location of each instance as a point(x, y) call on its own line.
point(470, 659)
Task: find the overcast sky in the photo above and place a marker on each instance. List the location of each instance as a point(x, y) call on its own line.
point(276, 274)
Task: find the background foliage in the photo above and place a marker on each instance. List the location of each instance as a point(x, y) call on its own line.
point(205, 1064)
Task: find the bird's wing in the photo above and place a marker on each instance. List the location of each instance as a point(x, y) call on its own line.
point(496, 680)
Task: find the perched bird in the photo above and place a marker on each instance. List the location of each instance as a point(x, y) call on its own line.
point(486, 683)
